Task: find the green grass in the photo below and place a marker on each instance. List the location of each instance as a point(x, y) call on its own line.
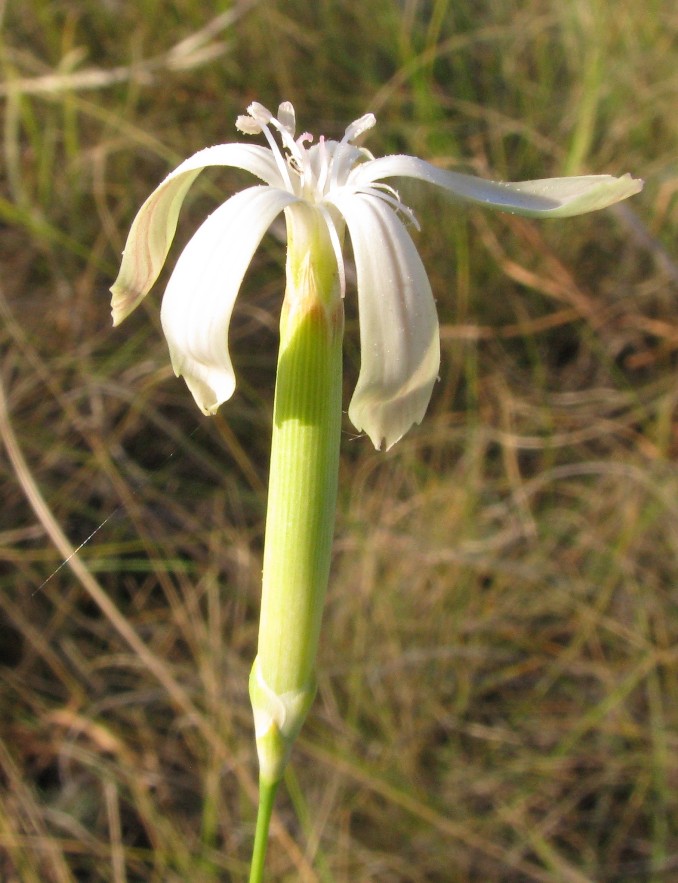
point(498, 675)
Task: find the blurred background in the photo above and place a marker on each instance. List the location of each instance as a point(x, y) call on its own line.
point(498, 695)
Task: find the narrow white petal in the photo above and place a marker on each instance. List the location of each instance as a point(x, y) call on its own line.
point(154, 226)
point(198, 302)
point(399, 336)
point(545, 198)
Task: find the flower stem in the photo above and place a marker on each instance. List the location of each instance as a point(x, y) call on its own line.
point(267, 791)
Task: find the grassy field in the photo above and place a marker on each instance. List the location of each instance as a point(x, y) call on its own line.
point(498, 696)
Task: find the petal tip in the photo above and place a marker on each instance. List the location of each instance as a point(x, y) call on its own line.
point(635, 185)
point(210, 385)
point(123, 302)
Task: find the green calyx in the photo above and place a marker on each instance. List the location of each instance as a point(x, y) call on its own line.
point(302, 490)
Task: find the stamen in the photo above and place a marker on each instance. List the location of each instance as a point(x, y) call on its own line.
point(288, 141)
point(336, 246)
point(300, 161)
point(324, 164)
point(247, 125)
point(260, 118)
point(279, 159)
point(287, 117)
point(260, 113)
point(358, 127)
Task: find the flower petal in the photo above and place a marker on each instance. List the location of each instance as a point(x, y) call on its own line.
point(544, 198)
point(197, 306)
point(154, 226)
point(399, 336)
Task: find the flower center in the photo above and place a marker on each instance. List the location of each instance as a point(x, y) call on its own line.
point(308, 172)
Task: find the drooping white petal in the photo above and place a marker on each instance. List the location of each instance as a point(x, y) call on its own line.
point(199, 299)
point(544, 198)
point(154, 226)
point(399, 336)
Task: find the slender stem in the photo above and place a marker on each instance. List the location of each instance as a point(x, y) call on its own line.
point(267, 792)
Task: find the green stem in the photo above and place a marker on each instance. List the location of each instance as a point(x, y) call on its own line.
point(267, 791)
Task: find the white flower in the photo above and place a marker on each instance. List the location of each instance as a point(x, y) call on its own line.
point(400, 350)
